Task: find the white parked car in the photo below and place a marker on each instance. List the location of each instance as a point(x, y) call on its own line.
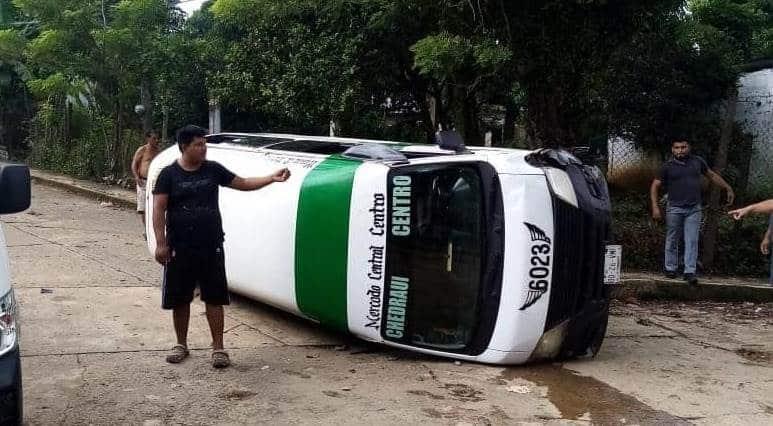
point(14, 198)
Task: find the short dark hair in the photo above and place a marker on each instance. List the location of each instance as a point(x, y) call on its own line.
point(151, 132)
point(679, 139)
point(186, 135)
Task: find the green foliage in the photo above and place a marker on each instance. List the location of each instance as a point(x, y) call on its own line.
point(97, 55)
point(670, 78)
point(11, 45)
point(744, 26)
point(239, 13)
point(442, 56)
point(52, 85)
point(445, 57)
point(567, 70)
point(84, 155)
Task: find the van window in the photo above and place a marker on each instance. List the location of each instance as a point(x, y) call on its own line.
point(312, 147)
point(435, 245)
point(254, 141)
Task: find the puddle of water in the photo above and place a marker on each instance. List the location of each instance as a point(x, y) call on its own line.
point(576, 395)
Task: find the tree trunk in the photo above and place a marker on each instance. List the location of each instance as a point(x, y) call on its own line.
point(545, 126)
point(508, 131)
point(67, 122)
point(472, 134)
point(164, 124)
point(720, 162)
point(115, 147)
point(429, 111)
point(465, 115)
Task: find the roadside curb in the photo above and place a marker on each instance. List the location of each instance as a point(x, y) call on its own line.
point(71, 185)
point(665, 289)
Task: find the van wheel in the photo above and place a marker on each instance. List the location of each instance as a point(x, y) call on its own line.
point(598, 337)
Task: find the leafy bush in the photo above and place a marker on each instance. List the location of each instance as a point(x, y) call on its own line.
point(83, 155)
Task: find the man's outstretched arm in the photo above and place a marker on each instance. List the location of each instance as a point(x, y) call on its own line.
point(253, 183)
point(761, 207)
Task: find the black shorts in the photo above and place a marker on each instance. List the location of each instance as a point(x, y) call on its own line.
point(190, 268)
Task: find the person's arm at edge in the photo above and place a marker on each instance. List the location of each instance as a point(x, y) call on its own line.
point(761, 207)
point(253, 183)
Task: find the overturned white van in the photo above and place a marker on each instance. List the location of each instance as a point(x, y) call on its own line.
point(480, 254)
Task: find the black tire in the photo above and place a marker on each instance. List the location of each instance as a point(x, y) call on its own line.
point(598, 337)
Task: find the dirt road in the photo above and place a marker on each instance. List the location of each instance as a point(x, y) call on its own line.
point(93, 340)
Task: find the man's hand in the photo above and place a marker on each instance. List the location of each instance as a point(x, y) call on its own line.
point(765, 246)
point(730, 197)
point(281, 175)
point(141, 182)
point(657, 214)
point(163, 254)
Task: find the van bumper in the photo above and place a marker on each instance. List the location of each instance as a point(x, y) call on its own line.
point(10, 388)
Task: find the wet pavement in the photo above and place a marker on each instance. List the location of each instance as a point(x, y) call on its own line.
point(586, 398)
point(93, 340)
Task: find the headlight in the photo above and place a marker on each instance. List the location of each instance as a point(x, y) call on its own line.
point(8, 316)
point(562, 185)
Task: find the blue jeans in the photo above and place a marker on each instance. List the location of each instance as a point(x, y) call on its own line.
point(682, 221)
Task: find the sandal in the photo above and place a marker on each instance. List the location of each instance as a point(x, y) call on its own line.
point(220, 359)
point(178, 354)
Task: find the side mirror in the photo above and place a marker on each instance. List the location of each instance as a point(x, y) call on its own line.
point(450, 140)
point(14, 188)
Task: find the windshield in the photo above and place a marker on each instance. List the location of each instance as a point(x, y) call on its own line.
point(435, 246)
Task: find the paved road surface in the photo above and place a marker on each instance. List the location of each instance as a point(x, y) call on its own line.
point(93, 341)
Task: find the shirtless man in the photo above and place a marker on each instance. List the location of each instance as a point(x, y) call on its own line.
point(140, 165)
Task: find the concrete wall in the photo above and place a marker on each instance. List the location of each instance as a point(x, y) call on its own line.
point(755, 114)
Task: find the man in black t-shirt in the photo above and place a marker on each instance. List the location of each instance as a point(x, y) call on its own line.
point(681, 176)
point(189, 237)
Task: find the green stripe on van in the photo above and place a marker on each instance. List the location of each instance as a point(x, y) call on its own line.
point(322, 240)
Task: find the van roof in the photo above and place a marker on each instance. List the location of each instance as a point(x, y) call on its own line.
point(423, 150)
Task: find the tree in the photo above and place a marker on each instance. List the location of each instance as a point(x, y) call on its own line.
point(16, 106)
point(95, 58)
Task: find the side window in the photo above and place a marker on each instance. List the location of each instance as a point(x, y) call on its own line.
point(312, 147)
point(254, 141)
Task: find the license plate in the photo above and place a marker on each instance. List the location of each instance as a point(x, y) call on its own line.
point(612, 260)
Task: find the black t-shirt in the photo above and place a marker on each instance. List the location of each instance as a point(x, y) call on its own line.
point(193, 214)
point(682, 180)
